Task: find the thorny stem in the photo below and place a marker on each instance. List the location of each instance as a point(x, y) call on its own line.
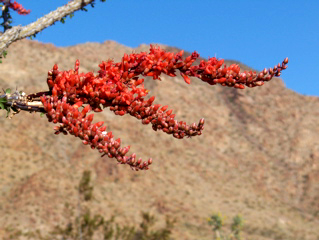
point(34, 96)
point(20, 32)
point(29, 106)
point(20, 102)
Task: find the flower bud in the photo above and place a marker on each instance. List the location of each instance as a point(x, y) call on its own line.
point(286, 60)
point(260, 75)
point(201, 121)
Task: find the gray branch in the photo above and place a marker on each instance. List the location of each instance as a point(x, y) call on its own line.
point(19, 32)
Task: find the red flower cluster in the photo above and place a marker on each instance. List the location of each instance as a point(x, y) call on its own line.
point(118, 86)
point(16, 7)
point(77, 123)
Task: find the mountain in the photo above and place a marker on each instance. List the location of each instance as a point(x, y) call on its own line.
point(258, 155)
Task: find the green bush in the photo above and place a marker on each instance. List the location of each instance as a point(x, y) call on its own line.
point(220, 233)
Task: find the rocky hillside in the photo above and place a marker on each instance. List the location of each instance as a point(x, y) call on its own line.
point(258, 155)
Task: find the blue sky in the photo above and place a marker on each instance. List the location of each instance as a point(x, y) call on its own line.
point(255, 32)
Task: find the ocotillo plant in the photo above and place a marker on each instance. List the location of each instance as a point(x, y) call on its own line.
point(119, 87)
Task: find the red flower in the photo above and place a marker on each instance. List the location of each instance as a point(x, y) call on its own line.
point(16, 7)
point(118, 86)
